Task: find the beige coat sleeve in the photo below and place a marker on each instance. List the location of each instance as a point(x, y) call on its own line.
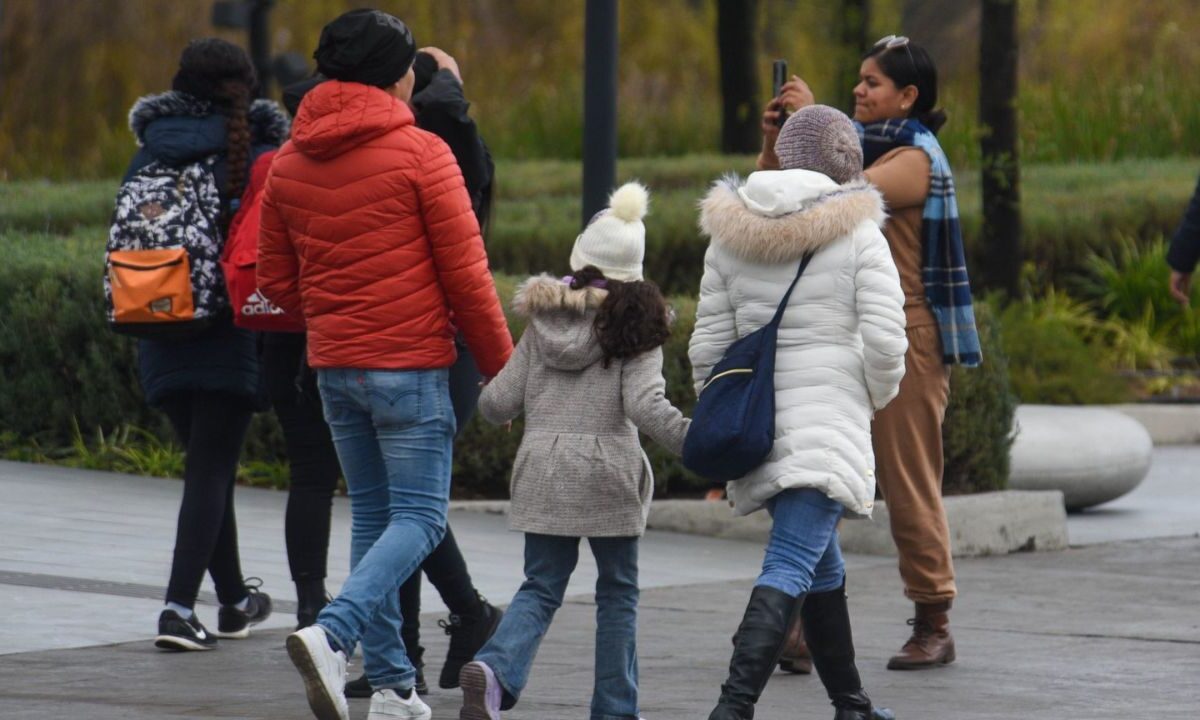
point(503, 399)
point(643, 392)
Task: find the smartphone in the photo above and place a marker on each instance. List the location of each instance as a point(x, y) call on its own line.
point(779, 76)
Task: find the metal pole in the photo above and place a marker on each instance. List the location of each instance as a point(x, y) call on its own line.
point(599, 105)
point(260, 44)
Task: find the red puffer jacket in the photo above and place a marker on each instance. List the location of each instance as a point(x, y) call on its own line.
point(367, 232)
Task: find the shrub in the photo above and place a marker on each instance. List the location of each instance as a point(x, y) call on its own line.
point(59, 364)
point(60, 358)
point(1049, 356)
point(1128, 284)
point(978, 432)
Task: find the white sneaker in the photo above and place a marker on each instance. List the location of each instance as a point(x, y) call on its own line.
point(388, 705)
point(323, 670)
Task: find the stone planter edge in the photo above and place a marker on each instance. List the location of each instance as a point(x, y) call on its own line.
point(995, 523)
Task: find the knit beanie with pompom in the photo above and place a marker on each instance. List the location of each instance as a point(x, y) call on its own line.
point(614, 242)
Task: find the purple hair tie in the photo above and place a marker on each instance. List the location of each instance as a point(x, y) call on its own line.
point(598, 283)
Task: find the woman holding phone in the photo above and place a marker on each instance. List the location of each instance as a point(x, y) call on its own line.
point(895, 108)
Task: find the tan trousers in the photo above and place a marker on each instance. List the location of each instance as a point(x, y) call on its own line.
point(907, 435)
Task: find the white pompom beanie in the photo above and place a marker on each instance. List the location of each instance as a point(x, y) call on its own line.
point(615, 240)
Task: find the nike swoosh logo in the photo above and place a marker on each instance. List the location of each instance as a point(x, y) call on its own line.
point(201, 635)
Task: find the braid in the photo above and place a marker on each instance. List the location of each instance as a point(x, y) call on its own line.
point(237, 130)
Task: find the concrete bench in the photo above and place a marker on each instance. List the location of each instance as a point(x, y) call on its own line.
point(1091, 454)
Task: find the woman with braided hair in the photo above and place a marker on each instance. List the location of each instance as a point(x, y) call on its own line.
point(208, 383)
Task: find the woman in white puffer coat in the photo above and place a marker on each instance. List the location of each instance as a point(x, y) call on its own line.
point(840, 357)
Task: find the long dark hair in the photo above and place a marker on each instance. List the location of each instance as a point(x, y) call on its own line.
point(633, 317)
point(220, 72)
point(912, 64)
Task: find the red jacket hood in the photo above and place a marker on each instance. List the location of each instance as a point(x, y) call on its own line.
point(337, 116)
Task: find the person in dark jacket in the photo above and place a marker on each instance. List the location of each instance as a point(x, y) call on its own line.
point(207, 384)
point(1185, 251)
point(441, 108)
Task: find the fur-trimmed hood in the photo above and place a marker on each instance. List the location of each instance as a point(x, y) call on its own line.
point(777, 216)
point(562, 320)
point(269, 124)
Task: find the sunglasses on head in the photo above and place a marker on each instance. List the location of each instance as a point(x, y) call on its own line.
point(891, 42)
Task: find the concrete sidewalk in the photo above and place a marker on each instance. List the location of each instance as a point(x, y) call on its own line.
point(73, 540)
point(1109, 631)
point(1104, 631)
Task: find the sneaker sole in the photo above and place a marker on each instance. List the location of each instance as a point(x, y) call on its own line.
point(323, 705)
point(236, 635)
point(179, 644)
point(473, 681)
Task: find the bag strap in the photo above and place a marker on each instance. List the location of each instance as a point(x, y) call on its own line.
point(788, 295)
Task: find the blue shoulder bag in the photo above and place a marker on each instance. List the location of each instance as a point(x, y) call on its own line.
point(733, 425)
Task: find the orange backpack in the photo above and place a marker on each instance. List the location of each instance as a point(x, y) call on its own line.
point(161, 276)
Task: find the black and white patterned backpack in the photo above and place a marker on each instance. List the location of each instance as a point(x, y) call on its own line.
point(162, 276)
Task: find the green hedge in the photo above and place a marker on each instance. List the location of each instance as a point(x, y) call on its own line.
point(61, 368)
point(1068, 211)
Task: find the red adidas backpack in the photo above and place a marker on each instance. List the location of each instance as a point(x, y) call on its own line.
point(239, 261)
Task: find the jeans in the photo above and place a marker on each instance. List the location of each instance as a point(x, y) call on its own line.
point(445, 566)
point(802, 553)
point(212, 427)
point(312, 461)
point(549, 562)
point(393, 430)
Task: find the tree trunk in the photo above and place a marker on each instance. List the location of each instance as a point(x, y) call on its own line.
point(855, 25)
point(737, 50)
point(998, 118)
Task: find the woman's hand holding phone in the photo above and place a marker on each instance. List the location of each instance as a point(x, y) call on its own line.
point(796, 94)
point(793, 95)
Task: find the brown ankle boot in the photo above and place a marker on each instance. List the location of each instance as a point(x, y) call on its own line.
point(931, 643)
point(795, 657)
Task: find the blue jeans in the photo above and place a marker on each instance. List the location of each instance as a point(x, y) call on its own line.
point(393, 430)
point(802, 553)
point(549, 562)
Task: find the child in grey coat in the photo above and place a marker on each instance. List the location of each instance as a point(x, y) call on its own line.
point(587, 374)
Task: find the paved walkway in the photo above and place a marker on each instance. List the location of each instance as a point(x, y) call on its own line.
point(1103, 631)
point(1166, 504)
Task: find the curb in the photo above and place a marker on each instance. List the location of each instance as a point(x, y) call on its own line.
point(994, 523)
point(1167, 424)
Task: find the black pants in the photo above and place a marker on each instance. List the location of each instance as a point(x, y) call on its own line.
point(315, 470)
point(312, 460)
point(212, 427)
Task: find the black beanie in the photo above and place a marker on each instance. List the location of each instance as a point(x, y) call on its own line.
point(366, 46)
point(424, 68)
point(294, 93)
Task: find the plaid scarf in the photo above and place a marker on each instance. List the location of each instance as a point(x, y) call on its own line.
point(944, 265)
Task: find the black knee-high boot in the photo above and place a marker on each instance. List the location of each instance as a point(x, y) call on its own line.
point(756, 649)
point(827, 628)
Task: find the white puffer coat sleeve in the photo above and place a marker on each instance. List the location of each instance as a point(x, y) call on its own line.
point(716, 324)
point(880, 304)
